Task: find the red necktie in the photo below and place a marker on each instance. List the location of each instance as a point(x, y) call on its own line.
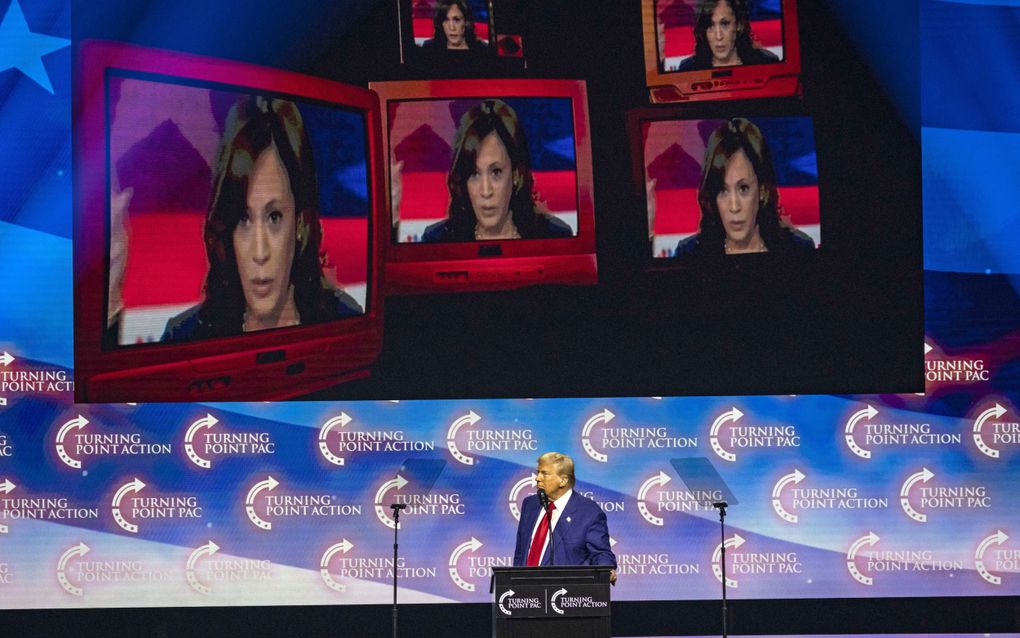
point(537, 543)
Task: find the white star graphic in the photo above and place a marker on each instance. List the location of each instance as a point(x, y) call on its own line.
point(22, 49)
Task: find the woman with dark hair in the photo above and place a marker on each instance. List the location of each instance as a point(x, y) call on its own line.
point(490, 182)
point(739, 199)
point(454, 28)
point(262, 232)
point(722, 37)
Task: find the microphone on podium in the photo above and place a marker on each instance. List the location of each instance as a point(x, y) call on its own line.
point(543, 499)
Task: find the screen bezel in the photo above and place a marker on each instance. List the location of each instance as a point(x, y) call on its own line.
point(98, 59)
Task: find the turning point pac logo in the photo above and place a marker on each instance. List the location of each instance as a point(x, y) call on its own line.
point(208, 549)
point(597, 434)
point(462, 439)
point(202, 447)
point(472, 545)
point(726, 435)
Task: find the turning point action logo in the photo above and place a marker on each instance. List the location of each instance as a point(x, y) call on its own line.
point(1001, 559)
point(786, 500)
point(6, 488)
point(515, 494)
point(259, 504)
point(343, 546)
point(72, 447)
point(73, 571)
point(861, 433)
point(335, 440)
point(889, 561)
point(626, 437)
point(1002, 432)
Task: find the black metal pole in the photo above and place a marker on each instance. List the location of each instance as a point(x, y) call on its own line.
point(721, 506)
point(396, 507)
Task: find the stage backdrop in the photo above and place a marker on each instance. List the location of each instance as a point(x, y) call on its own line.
point(258, 504)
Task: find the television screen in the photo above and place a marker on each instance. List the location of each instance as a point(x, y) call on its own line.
point(179, 156)
point(427, 135)
point(456, 28)
point(699, 180)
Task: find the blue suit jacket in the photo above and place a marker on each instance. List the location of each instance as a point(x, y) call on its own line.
point(581, 536)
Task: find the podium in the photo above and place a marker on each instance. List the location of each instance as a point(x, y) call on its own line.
point(538, 602)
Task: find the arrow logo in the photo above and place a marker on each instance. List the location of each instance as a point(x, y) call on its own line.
point(77, 422)
point(553, 600)
point(515, 491)
point(6, 487)
point(469, 546)
point(502, 600)
point(777, 504)
point(731, 416)
point(336, 421)
point(205, 422)
point(998, 538)
point(851, 557)
point(605, 416)
point(451, 435)
point(731, 543)
point(249, 502)
point(6, 359)
point(659, 479)
point(924, 475)
point(380, 512)
point(848, 431)
point(208, 549)
point(979, 423)
point(343, 546)
point(134, 486)
point(78, 550)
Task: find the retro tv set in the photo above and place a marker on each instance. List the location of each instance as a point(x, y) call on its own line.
point(720, 49)
point(441, 237)
point(770, 210)
point(226, 229)
point(488, 26)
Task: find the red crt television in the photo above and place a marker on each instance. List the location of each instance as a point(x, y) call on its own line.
point(756, 42)
point(423, 120)
point(227, 228)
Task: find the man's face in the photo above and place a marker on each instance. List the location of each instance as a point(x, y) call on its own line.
point(550, 480)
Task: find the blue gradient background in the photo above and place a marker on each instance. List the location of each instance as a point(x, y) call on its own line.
point(964, 104)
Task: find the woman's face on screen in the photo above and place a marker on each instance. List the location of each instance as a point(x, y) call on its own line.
point(264, 244)
point(722, 35)
point(489, 187)
point(738, 199)
point(454, 27)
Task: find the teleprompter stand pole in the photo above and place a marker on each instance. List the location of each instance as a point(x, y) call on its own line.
point(721, 506)
point(396, 507)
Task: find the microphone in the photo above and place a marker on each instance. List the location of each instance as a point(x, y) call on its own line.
point(543, 499)
point(396, 507)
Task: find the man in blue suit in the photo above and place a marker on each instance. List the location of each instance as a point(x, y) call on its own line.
point(573, 532)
